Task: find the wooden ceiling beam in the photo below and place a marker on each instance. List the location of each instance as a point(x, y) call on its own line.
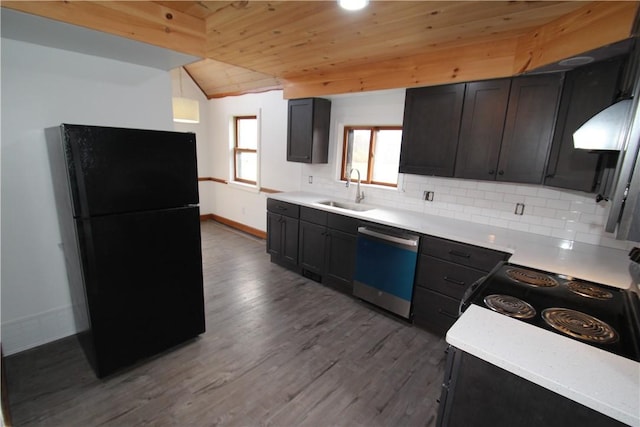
point(594, 25)
point(220, 79)
point(472, 62)
point(142, 21)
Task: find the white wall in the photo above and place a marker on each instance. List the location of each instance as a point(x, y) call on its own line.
point(565, 214)
point(240, 203)
point(43, 87)
point(184, 86)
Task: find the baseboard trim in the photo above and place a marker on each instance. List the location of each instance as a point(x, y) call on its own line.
point(233, 224)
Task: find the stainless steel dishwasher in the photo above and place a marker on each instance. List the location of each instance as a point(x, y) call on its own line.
point(385, 268)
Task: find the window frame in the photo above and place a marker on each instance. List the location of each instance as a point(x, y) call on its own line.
point(237, 150)
point(370, 160)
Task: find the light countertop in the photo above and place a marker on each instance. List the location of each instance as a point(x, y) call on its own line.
point(595, 378)
point(580, 260)
point(600, 380)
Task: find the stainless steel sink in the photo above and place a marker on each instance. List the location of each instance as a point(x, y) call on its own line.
point(345, 205)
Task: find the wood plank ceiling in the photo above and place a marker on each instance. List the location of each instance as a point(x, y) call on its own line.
point(314, 48)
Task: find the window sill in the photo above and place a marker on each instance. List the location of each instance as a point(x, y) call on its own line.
point(251, 188)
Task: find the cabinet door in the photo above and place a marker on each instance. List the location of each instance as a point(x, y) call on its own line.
point(529, 128)
point(290, 240)
point(312, 246)
point(341, 260)
point(430, 129)
point(274, 234)
point(434, 311)
point(308, 130)
point(282, 237)
point(587, 91)
point(483, 115)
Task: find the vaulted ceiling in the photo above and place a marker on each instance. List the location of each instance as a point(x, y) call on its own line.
point(313, 48)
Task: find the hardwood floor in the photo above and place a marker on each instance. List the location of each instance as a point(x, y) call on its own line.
point(279, 350)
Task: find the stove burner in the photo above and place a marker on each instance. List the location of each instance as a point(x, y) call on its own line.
point(532, 278)
point(579, 325)
point(588, 290)
point(510, 306)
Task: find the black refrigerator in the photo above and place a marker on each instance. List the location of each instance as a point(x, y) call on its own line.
point(133, 197)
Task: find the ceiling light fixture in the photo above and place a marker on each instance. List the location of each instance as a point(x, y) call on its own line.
point(353, 4)
point(576, 61)
point(185, 110)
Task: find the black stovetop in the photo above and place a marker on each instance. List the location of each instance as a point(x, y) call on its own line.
point(617, 308)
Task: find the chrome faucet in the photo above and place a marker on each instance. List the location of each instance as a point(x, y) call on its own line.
point(359, 194)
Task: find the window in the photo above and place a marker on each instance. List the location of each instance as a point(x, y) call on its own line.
point(374, 151)
point(245, 149)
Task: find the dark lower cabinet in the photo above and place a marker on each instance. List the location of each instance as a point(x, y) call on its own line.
point(480, 394)
point(430, 129)
point(327, 245)
point(340, 260)
point(587, 90)
point(444, 272)
point(282, 233)
point(312, 244)
point(434, 311)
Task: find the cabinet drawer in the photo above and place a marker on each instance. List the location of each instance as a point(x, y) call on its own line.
point(434, 311)
point(343, 223)
point(445, 277)
point(472, 256)
point(314, 216)
point(283, 208)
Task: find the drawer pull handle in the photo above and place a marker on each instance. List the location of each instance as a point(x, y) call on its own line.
point(281, 207)
point(460, 254)
point(447, 314)
point(454, 281)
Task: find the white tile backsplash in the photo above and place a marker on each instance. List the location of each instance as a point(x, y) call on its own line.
point(548, 211)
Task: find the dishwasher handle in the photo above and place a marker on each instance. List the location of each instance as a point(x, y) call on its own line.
point(404, 241)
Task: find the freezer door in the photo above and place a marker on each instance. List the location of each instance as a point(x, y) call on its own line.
point(143, 280)
point(116, 170)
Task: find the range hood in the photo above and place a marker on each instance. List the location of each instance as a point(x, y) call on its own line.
point(606, 130)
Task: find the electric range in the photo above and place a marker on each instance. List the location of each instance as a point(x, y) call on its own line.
point(595, 314)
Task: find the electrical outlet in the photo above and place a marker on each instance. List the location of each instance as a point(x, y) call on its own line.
point(519, 209)
point(428, 196)
point(310, 179)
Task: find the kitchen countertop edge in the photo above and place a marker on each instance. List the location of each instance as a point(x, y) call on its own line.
point(497, 338)
point(532, 353)
point(580, 260)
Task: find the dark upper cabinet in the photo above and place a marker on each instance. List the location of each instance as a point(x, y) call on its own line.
point(483, 116)
point(308, 130)
point(528, 129)
point(430, 129)
point(587, 91)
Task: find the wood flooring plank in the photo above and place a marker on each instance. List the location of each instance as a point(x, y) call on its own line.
point(279, 350)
